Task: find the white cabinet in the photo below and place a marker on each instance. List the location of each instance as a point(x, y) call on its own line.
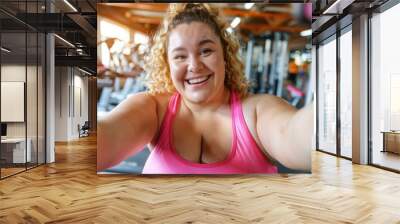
point(17, 146)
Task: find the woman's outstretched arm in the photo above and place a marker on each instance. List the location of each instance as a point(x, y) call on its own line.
point(285, 132)
point(126, 130)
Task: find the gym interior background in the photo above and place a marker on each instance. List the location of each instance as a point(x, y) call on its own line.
point(275, 46)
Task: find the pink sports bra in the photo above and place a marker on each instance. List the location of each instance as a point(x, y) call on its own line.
point(245, 155)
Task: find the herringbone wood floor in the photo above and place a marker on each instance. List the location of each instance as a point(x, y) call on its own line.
point(69, 191)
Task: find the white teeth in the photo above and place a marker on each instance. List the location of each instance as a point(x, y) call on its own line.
point(198, 80)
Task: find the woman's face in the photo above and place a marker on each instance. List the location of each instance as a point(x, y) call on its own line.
point(196, 62)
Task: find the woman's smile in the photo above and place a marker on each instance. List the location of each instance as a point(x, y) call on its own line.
point(198, 81)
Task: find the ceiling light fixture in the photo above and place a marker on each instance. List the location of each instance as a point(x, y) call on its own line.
point(337, 7)
point(306, 33)
point(248, 5)
point(86, 72)
point(64, 40)
point(235, 22)
point(330, 8)
point(70, 5)
point(5, 49)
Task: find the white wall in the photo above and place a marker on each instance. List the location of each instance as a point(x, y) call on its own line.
point(61, 103)
point(71, 94)
point(81, 100)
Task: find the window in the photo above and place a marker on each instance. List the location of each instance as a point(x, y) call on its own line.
point(327, 96)
point(109, 30)
point(385, 84)
point(346, 93)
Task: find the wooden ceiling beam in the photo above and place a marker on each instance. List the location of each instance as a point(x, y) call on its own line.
point(159, 7)
point(125, 12)
point(121, 14)
point(261, 28)
point(255, 14)
point(146, 20)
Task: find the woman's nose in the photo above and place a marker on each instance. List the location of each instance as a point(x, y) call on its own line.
point(195, 64)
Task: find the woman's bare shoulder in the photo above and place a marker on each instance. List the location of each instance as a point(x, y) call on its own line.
point(265, 105)
point(161, 100)
point(255, 101)
point(143, 102)
point(252, 100)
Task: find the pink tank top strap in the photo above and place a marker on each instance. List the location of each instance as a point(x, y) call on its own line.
point(235, 105)
point(237, 113)
point(173, 104)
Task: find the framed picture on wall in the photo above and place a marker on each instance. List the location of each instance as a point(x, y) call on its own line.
point(12, 101)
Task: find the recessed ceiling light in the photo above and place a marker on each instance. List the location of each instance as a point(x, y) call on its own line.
point(5, 49)
point(64, 40)
point(235, 22)
point(86, 72)
point(337, 7)
point(306, 33)
point(248, 5)
point(70, 5)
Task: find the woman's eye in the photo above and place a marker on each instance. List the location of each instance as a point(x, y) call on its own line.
point(206, 52)
point(179, 57)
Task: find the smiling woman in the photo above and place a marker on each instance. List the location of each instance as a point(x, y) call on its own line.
point(198, 117)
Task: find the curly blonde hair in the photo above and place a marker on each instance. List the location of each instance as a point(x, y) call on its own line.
point(156, 66)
